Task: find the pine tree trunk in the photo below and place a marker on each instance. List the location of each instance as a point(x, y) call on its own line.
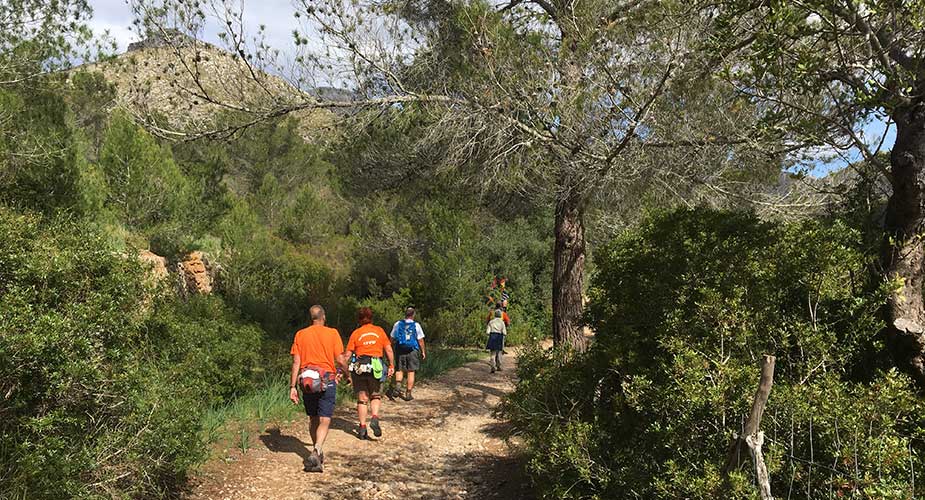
point(904, 253)
point(568, 273)
point(569, 250)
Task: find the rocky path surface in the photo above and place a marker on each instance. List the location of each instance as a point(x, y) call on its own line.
point(444, 444)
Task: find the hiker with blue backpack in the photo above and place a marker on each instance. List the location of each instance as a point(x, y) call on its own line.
point(408, 340)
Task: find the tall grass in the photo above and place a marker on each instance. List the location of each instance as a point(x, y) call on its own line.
point(440, 360)
point(249, 415)
point(239, 422)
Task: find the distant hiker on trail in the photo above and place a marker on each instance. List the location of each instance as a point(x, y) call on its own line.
point(408, 338)
point(367, 370)
point(504, 293)
point(498, 293)
point(496, 331)
point(317, 355)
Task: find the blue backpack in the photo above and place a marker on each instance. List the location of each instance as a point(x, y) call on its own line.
point(406, 339)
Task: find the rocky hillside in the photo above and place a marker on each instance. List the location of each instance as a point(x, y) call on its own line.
point(187, 83)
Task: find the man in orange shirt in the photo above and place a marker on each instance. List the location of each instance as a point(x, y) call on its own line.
point(317, 353)
point(368, 342)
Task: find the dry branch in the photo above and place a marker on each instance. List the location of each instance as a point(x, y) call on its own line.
point(752, 438)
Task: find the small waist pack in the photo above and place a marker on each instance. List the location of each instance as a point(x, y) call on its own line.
point(314, 379)
point(361, 365)
point(368, 364)
point(378, 372)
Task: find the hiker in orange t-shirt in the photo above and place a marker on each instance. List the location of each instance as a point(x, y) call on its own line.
point(504, 316)
point(367, 370)
point(317, 354)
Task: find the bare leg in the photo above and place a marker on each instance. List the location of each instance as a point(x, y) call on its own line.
point(399, 375)
point(321, 431)
point(313, 429)
point(362, 400)
point(374, 405)
point(410, 381)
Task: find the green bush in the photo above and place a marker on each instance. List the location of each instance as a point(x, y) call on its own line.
point(42, 164)
point(683, 308)
point(269, 279)
point(443, 258)
point(147, 191)
point(104, 380)
point(203, 344)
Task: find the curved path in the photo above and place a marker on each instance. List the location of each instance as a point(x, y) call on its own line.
point(444, 444)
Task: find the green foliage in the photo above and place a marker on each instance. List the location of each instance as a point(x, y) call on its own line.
point(147, 190)
point(204, 345)
point(441, 259)
point(683, 307)
point(267, 278)
point(40, 162)
point(78, 388)
point(104, 379)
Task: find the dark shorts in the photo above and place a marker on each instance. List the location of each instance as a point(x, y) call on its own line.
point(365, 382)
point(495, 342)
point(321, 404)
point(410, 362)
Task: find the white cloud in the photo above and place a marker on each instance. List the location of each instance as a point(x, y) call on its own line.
point(275, 15)
point(121, 33)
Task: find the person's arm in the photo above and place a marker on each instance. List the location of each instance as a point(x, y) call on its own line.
point(294, 378)
point(423, 350)
point(342, 362)
point(503, 328)
point(488, 328)
point(389, 353)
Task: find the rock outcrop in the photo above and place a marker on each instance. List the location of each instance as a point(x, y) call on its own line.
point(193, 275)
point(196, 274)
point(157, 264)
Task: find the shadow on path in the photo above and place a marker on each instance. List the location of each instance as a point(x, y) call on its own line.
point(278, 442)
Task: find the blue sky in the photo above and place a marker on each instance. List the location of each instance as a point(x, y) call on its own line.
point(872, 134)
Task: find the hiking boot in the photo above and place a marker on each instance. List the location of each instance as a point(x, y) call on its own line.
point(390, 393)
point(499, 368)
point(314, 462)
point(363, 434)
point(493, 369)
point(407, 396)
point(374, 425)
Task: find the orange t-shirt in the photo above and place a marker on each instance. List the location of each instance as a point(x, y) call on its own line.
point(504, 316)
point(368, 340)
point(317, 346)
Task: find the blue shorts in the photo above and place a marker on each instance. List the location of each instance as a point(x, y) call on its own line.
point(321, 404)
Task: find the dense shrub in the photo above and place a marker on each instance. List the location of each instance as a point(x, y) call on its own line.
point(683, 308)
point(267, 278)
point(103, 380)
point(203, 344)
point(41, 166)
point(441, 259)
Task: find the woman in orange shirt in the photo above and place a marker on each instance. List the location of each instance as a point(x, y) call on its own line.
point(365, 350)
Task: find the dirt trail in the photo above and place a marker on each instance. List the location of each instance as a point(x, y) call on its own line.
point(444, 444)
